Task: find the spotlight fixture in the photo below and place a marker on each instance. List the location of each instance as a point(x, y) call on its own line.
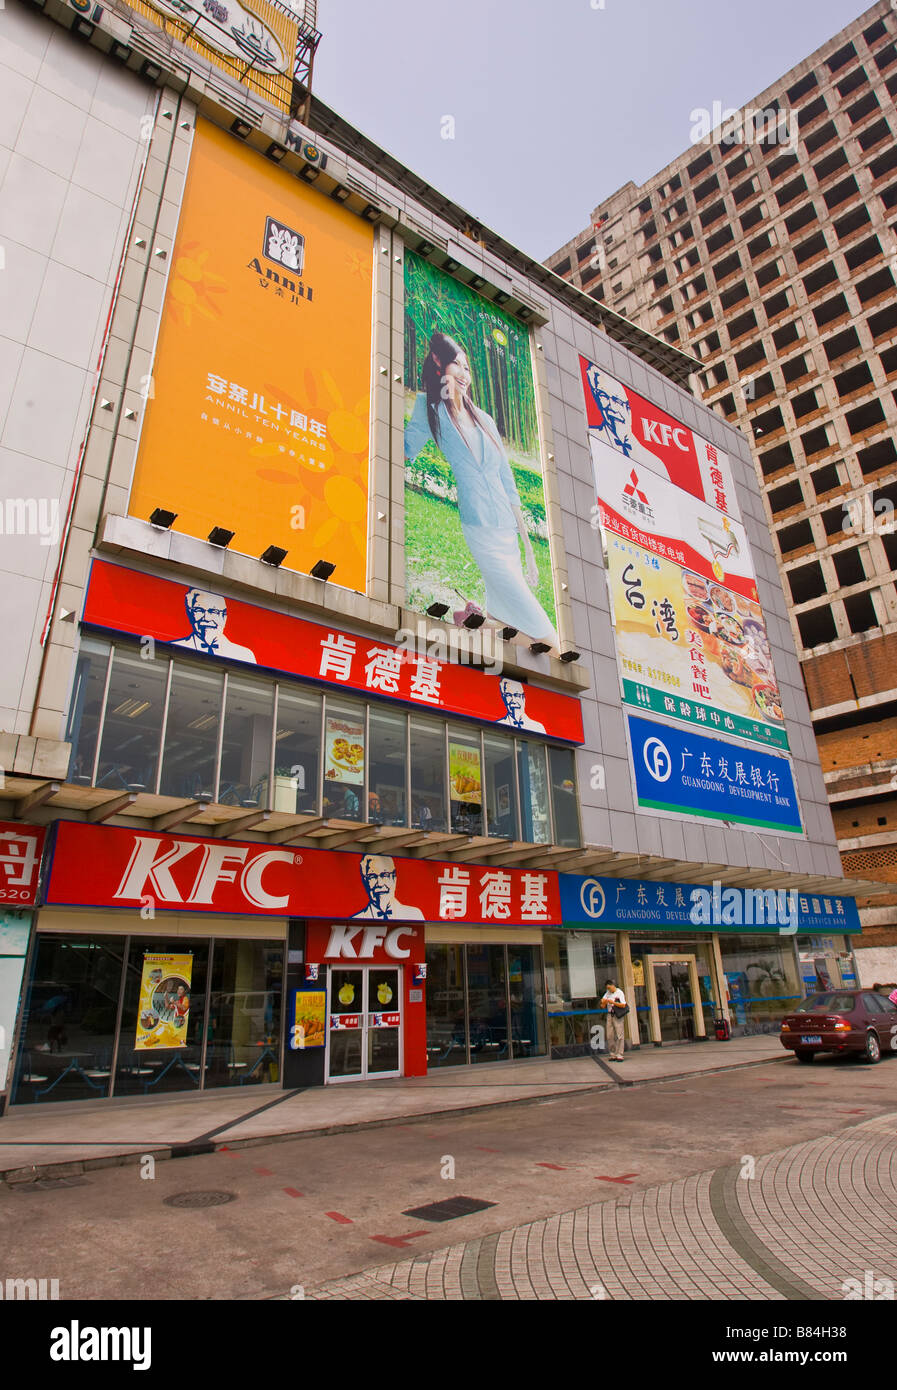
point(241, 128)
point(451, 265)
point(121, 51)
point(160, 517)
point(322, 569)
point(508, 632)
point(220, 536)
point(340, 193)
point(500, 297)
point(524, 313)
point(537, 648)
point(274, 555)
point(83, 27)
point(151, 70)
point(476, 282)
point(474, 620)
point(569, 656)
point(437, 610)
point(309, 173)
point(275, 151)
point(371, 212)
point(426, 248)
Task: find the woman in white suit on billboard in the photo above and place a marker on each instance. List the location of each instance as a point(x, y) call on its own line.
point(488, 501)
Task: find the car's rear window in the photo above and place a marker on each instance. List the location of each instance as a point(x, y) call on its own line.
point(827, 1004)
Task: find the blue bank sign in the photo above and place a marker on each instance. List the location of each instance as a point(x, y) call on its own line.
point(682, 771)
point(619, 903)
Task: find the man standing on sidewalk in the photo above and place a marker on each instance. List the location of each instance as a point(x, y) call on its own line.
point(614, 998)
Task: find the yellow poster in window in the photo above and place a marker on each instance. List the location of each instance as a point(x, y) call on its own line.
point(464, 773)
point(163, 1007)
point(257, 419)
point(309, 1019)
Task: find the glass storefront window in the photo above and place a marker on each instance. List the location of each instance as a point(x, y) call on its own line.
point(191, 732)
point(762, 980)
point(487, 1003)
point(465, 780)
point(246, 742)
point(563, 796)
point(297, 746)
point(129, 751)
point(86, 708)
point(527, 1008)
point(536, 816)
point(446, 1007)
point(501, 793)
point(344, 759)
point(578, 964)
point(65, 1052)
point(427, 774)
point(151, 1070)
point(243, 1033)
point(386, 780)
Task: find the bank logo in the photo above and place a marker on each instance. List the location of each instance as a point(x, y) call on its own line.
point(591, 896)
point(657, 759)
point(283, 245)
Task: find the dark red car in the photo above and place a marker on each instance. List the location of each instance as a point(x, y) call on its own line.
point(842, 1020)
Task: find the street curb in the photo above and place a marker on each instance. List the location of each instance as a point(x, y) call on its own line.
point(11, 1178)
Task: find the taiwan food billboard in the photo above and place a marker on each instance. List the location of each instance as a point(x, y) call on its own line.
point(692, 644)
point(476, 532)
point(258, 405)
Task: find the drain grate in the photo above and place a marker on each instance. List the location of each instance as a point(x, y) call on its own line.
point(448, 1210)
point(49, 1184)
point(200, 1199)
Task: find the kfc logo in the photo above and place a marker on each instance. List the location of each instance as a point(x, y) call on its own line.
point(359, 943)
point(149, 872)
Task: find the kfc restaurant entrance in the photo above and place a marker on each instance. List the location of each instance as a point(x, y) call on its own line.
point(166, 961)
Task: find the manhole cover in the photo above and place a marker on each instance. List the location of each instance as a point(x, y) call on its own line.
point(199, 1199)
point(448, 1210)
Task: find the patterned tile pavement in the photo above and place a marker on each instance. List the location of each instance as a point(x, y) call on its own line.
point(794, 1224)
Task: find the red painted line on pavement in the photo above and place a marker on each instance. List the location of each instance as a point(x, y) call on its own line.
point(291, 1192)
point(624, 1177)
point(399, 1242)
point(263, 1172)
point(556, 1166)
point(338, 1216)
point(851, 1112)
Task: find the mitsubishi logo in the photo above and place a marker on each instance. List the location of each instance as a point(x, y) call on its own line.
point(633, 490)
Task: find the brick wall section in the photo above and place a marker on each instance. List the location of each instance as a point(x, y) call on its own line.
point(827, 680)
point(867, 743)
point(853, 821)
point(872, 663)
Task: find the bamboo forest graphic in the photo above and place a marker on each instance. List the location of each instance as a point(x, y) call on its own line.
point(439, 565)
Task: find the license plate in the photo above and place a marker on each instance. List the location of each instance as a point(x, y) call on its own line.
point(811, 1038)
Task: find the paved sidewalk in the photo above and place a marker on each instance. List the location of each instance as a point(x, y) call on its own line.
point(67, 1138)
point(816, 1221)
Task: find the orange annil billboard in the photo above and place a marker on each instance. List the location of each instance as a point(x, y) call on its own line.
point(258, 416)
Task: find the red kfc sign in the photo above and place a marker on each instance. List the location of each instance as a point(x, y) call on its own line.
point(105, 866)
point(21, 847)
point(199, 620)
point(369, 945)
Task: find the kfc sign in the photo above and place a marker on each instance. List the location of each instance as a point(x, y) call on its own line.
point(359, 943)
point(110, 866)
point(21, 847)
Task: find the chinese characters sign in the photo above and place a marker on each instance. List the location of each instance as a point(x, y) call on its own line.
point(679, 770)
point(619, 902)
point(21, 847)
point(258, 411)
point(122, 600)
point(106, 866)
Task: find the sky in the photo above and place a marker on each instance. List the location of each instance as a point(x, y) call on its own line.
point(551, 106)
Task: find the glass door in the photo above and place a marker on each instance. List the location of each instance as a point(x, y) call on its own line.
point(345, 1033)
point(364, 1022)
point(675, 999)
